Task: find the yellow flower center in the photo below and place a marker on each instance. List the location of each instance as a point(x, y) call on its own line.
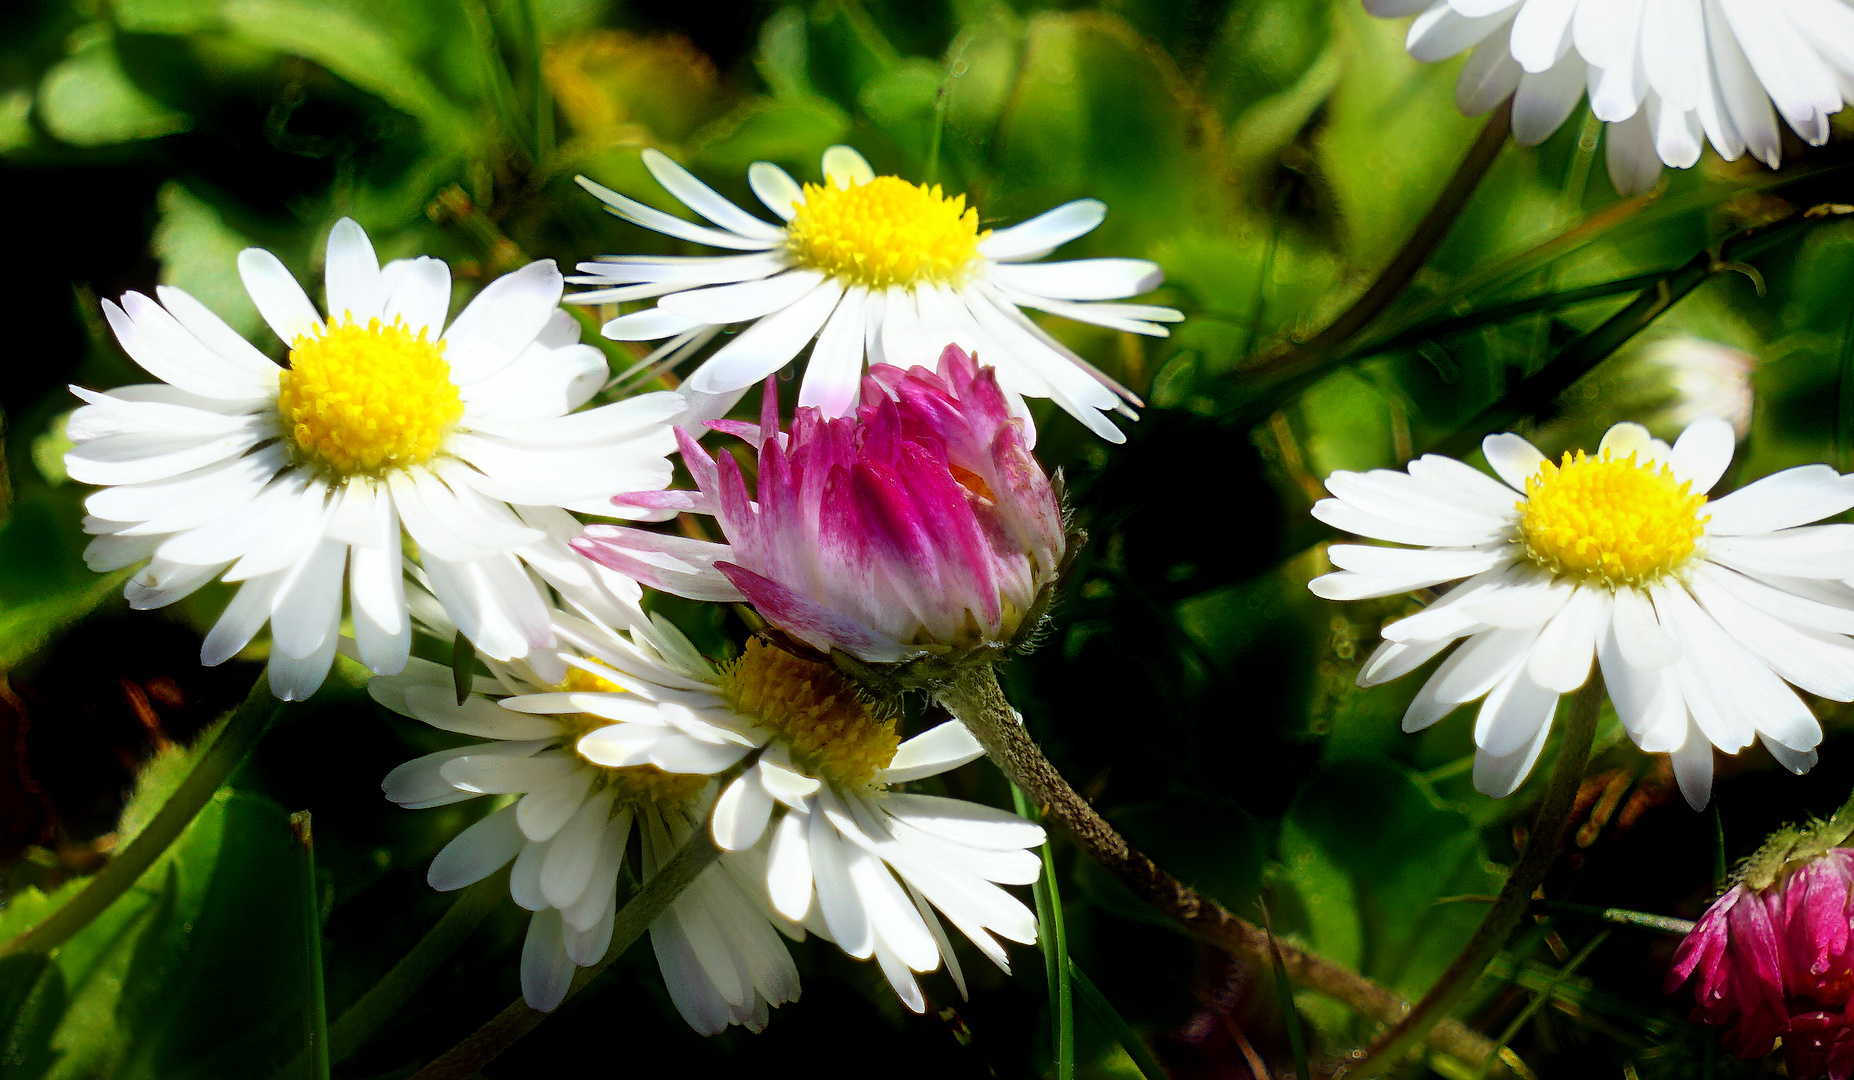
point(831, 731)
point(633, 783)
point(1609, 519)
point(886, 232)
point(360, 400)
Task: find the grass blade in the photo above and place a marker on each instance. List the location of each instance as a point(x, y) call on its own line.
point(1053, 938)
point(1117, 1026)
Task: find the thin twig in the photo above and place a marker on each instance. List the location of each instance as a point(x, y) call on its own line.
point(1528, 873)
point(973, 695)
point(236, 736)
point(1290, 360)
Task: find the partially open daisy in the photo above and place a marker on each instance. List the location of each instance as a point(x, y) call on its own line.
point(1665, 75)
point(871, 267)
point(851, 857)
point(282, 478)
point(568, 833)
point(1701, 612)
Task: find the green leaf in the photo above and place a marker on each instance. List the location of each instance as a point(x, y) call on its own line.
point(87, 99)
point(32, 999)
point(44, 588)
point(197, 250)
point(901, 101)
point(15, 122)
point(1371, 825)
point(1392, 136)
point(358, 51)
point(792, 131)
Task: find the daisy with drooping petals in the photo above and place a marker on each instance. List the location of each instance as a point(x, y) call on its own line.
point(1770, 959)
point(871, 267)
point(283, 478)
point(1701, 613)
point(1667, 75)
point(850, 857)
point(920, 526)
point(568, 832)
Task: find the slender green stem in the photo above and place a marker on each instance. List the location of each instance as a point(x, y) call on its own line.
point(1116, 1025)
point(315, 1019)
point(1284, 996)
point(235, 737)
point(1053, 937)
point(1540, 389)
point(1554, 814)
point(377, 1007)
point(973, 695)
point(1395, 277)
point(482, 1046)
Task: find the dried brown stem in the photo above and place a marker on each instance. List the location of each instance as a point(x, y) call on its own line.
point(973, 695)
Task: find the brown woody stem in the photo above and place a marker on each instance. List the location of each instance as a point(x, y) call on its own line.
point(973, 695)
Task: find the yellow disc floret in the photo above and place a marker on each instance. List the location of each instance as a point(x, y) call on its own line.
point(631, 783)
point(886, 232)
point(1609, 519)
point(362, 400)
point(829, 729)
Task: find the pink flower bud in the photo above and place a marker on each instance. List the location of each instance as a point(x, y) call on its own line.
point(920, 524)
point(1778, 962)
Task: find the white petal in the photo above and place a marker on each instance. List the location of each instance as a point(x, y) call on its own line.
point(941, 748)
point(502, 321)
point(833, 377)
point(1044, 233)
point(1561, 660)
point(477, 852)
point(702, 199)
point(418, 292)
point(546, 969)
point(1781, 500)
point(353, 275)
point(638, 214)
point(741, 813)
point(1693, 768)
point(1512, 458)
point(1497, 776)
point(769, 344)
point(567, 869)
point(844, 167)
point(776, 188)
point(788, 868)
point(1638, 632)
point(277, 296)
point(1703, 451)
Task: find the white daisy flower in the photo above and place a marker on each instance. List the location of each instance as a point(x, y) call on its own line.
point(875, 269)
point(1701, 613)
point(282, 478)
point(852, 858)
point(1708, 379)
point(1666, 74)
point(567, 834)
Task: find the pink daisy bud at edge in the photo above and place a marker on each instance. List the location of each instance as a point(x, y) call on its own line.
point(918, 526)
point(1773, 958)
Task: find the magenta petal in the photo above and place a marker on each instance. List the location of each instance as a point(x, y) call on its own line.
point(812, 624)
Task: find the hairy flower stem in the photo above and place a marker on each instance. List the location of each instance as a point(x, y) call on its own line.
point(973, 695)
point(1548, 828)
point(229, 746)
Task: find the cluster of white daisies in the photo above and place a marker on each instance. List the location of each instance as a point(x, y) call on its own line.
point(602, 732)
point(605, 738)
point(1667, 76)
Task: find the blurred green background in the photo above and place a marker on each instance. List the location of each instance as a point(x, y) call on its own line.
point(1271, 155)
